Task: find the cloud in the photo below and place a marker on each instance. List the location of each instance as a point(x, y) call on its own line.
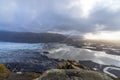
point(59, 15)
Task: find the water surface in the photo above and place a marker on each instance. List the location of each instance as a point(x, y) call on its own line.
point(31, 55)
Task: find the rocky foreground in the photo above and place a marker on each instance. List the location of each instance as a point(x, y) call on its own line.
point(67, 70)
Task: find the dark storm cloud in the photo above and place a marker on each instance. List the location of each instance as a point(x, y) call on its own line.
point(51, 15)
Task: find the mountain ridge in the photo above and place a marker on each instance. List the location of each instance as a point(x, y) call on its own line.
point(30, 37)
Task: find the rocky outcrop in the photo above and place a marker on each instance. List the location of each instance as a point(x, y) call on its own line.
point(73, 74)
point(72, 70)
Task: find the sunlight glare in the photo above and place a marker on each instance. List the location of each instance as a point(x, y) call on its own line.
point(103, 35)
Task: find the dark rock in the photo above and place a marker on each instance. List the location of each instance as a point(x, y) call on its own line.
point(45, 52)
point(71, 64)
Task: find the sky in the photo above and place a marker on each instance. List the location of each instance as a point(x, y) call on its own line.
point(73, 16)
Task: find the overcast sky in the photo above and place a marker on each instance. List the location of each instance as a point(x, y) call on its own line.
point(60, 15)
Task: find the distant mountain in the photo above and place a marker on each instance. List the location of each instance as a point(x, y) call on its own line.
point(29, 37)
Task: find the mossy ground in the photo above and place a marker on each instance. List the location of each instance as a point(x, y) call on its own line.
point(24, 76)
point(6, 74)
